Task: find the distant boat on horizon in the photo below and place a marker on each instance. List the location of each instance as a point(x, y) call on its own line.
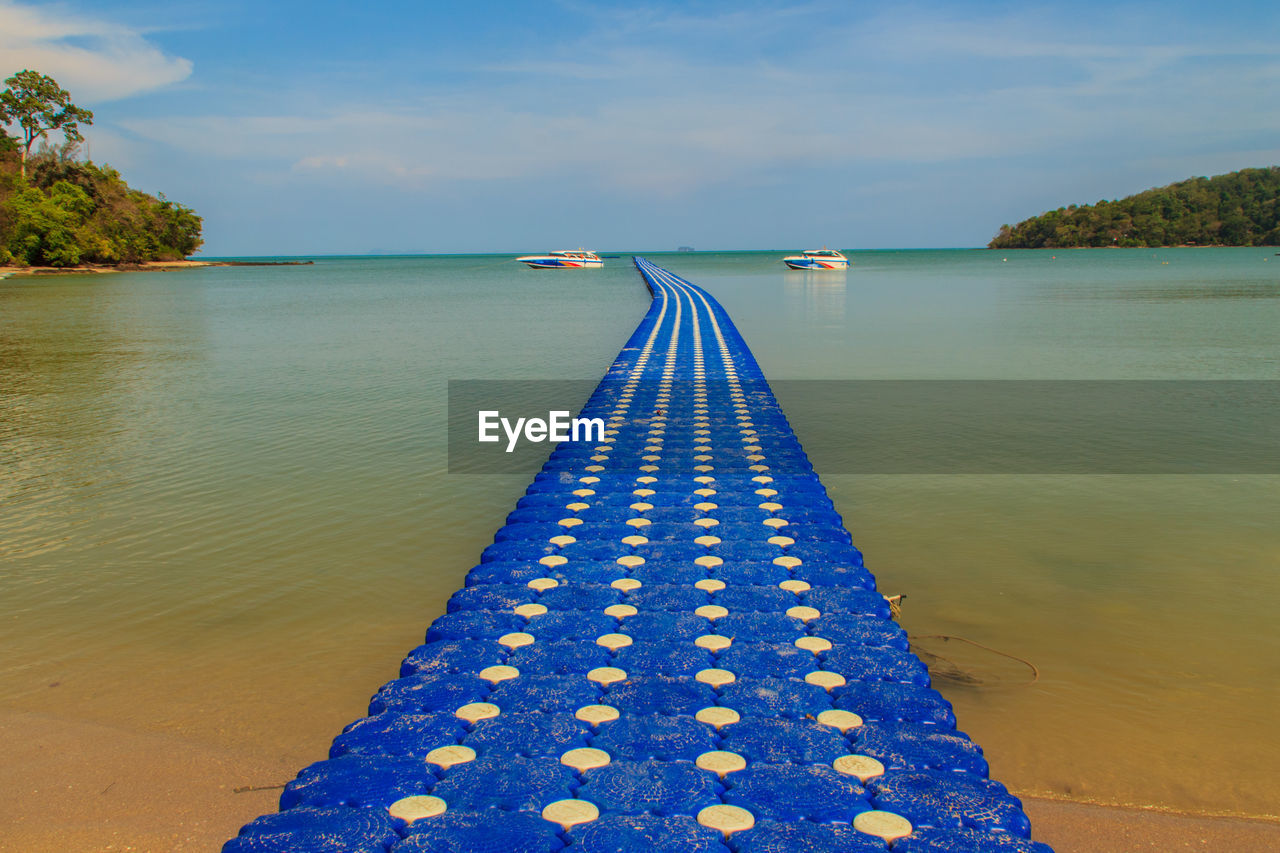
point(576, 259)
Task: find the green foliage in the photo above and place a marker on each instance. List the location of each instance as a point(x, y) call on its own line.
point(1237, 209)
point(70, 213)
point(58, 211)
point(44, 226)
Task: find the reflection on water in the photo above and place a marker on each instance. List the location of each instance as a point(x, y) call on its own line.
point(226, 513)
point(816, 299)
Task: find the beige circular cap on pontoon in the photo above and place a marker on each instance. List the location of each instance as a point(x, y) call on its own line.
point(553, 560)
point(569, 813)
point(620, 611)
point(791, 585)
point(717, 716)
point(803, 613)
point(516, 639)
point(597, 714)
point(709, 585)
point(416, 807)
point(709, 561)
point(886, 825)
point(447, 756)
point(721, 763)
point(630, 561)
point(527, 610)
point(476, 711)
point(585, 758)
point(716, 677)
point(561, 541)
point(635, 539)
point(626, 584)
point(837, 719)
point(813, 644)
point(494, 674)
point(824, 679)
point(711, 611)
point(607, 674)
point(713, 642)
point(541, 584)
point(727, 819)
point(863, 766)
point(708, 541)
point(613, 642)
point(785, 562)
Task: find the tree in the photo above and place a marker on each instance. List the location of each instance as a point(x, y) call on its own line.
point(37, 104)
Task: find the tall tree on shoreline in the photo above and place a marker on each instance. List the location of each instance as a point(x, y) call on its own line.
point(37, 104)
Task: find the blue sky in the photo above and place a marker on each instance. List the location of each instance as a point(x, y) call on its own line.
point(328, 127)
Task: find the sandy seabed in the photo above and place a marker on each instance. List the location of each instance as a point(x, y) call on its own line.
point(76, 787)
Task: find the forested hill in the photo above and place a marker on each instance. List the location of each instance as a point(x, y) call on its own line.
point(66, 212)
point(1236, 209)
point(57, 210)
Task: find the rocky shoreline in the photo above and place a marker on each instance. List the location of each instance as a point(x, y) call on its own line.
point(149, 266)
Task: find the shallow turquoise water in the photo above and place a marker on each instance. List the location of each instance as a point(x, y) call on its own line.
point(226, 510)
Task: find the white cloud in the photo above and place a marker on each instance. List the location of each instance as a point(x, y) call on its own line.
point(93, 59)
point(653, 121)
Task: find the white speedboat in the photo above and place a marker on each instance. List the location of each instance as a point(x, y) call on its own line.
point(817, 259)
point(574, 260)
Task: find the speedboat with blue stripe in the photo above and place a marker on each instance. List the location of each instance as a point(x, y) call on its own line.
point(817, 259)
point(577, 259)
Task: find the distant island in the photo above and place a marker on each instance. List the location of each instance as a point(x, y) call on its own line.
point(1237, 209)
point(59, 211)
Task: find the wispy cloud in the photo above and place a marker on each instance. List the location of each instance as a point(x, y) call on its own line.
point(93, 59)
point(966, 109)
point(665, 125)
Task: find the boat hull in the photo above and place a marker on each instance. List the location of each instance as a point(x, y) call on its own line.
point(560, 263)
point(815, 264)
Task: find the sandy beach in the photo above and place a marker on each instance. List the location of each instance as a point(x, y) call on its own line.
point(148, 266)
point(78, 787)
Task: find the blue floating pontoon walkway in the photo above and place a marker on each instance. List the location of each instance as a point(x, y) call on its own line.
point(671, 646)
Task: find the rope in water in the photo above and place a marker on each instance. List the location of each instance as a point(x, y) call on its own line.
point(1035, 672)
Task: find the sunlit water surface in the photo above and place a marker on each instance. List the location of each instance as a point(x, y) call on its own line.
point(225, 510)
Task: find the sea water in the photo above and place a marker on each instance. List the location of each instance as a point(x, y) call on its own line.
point(226, 511)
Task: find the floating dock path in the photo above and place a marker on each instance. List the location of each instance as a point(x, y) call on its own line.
point(671, 647)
